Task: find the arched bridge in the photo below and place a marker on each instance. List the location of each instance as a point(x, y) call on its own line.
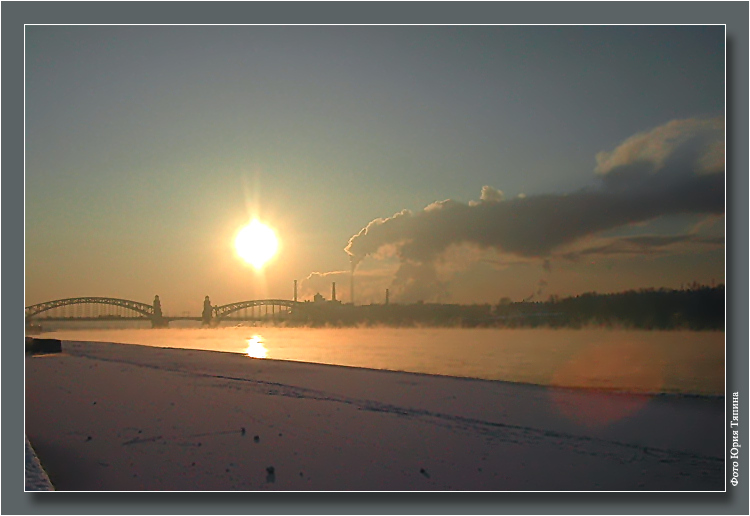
point(96, 309)
point(257, 309)
point(115, 309)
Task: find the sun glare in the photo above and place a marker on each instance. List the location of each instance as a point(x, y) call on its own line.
point(256, 243)
point(255, 347)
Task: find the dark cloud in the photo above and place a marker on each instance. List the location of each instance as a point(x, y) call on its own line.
point(534, 226)
point(667, 176)
point(673, 169)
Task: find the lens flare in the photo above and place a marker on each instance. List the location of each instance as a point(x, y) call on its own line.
point(632, 366)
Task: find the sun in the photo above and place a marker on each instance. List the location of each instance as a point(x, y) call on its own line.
point(256, 243)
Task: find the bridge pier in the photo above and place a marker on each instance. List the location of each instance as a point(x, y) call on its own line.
point(157, 320)
point(207, 316)
point(159, 323)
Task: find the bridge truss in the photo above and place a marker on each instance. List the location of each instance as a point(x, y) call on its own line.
point(258, 309)
point(90, 308)
point(115, 309)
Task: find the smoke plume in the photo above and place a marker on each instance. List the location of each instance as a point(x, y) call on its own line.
point(320, 283)
point(673, 169)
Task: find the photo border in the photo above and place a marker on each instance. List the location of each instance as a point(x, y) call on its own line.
point(15, 14)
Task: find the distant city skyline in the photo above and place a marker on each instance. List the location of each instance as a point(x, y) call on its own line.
point(457, 164)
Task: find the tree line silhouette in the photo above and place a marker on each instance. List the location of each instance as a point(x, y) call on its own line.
point(697, 307)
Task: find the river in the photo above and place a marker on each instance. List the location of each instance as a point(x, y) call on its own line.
point(629, 360)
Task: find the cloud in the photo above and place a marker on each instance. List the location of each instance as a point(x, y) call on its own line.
point(663, 145)
point(673, 169)
point(534, 226)
point(418, 282)
point(648, 176)
point(643, 245)
point(488, 194)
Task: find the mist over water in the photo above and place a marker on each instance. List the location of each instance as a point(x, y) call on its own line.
point(642, 361)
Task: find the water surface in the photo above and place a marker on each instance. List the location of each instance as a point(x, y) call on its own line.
point(646, 361)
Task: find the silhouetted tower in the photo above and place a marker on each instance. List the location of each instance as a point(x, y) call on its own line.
point(158, 319)
point(333, 291)
point(351, 286)
point(206, 318)
point(387, 296)
point(295, 291)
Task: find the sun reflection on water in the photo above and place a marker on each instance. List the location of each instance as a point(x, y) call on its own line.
point(255, 347)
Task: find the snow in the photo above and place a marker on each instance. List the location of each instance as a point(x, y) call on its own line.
point(130, 418)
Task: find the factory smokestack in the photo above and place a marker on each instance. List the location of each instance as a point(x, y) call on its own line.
point(295, 291)
point(387, 296)
point(351, 285)
point(333, 291)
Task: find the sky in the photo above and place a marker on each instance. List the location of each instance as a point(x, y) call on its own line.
point(457, 164)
